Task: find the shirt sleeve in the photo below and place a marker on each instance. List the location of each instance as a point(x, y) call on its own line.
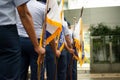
point(19, 2)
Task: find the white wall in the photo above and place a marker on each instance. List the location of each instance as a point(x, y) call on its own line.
point(75, 4)
point(107, 15)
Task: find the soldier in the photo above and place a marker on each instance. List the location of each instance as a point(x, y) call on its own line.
point(71, 62)
point(10, 50)
point(29, 56)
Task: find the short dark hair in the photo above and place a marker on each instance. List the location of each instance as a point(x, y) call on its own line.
point(43, 1)
point(68, 23)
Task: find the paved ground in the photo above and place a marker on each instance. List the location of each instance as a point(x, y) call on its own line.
point(83, 73)
point(101, 79)
point(103, 76)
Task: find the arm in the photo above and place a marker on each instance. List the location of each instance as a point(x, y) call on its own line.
point(68, 44)
point(27, 22)
point(67, 38)
point(54, 48)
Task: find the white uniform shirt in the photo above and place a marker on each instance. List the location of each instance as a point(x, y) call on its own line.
point(7, 11)
point(71, 35)
point(37, 11)
point(66, 30)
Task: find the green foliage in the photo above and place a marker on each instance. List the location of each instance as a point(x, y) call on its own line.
point(116, 31)
point(103, 30)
